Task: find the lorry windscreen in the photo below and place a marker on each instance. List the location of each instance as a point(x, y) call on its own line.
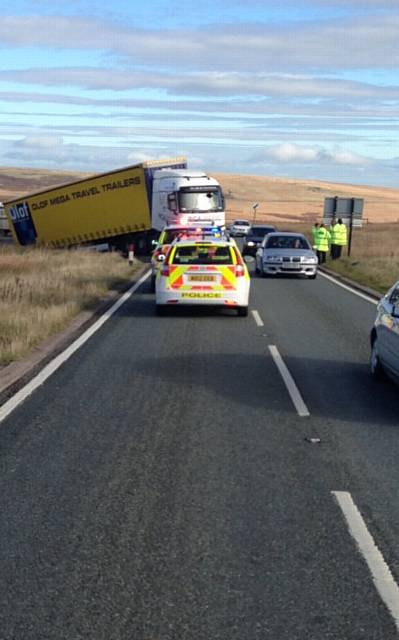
point(204, 200)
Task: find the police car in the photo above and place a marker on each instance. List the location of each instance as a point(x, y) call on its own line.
point(206, 272)
point(172, 233)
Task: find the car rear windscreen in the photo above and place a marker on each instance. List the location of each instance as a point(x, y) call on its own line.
point(202, 254)
point(260, 231)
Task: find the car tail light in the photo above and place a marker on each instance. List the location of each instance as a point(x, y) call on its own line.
point(165, 270)
point(240, 268)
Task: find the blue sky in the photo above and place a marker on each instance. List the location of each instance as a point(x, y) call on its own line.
point(304, 89)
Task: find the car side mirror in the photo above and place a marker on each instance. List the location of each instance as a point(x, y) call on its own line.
point(248, 258)
point(161, 257)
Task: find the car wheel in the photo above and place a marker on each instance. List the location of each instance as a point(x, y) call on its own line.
point(152, 284)
point(242, 312)
point(375, 364)
point(160, 309)
point(257, 270)
point(313, 277)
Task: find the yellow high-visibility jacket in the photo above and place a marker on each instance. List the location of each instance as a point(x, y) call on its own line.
point(323, 237)
point(340, 234)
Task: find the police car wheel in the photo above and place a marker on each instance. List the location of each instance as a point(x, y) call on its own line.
point(160, 309)
point(375, 365)
point(242, 312)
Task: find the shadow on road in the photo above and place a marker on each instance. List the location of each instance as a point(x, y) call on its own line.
point(336, 391)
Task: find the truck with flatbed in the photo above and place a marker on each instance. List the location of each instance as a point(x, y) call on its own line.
point(120, 207)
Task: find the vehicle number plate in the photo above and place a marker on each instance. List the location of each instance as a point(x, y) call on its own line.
point(202, 278)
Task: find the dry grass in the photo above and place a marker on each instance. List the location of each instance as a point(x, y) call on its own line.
point(283, 200)
point(374, 259)
point(42, 290)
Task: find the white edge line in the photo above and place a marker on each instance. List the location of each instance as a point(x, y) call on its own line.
point(257, 318)
point(289, 381)
point(345, 286)
point(52, 366)
point(382, 577)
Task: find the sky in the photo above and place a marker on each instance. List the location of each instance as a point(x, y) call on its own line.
point(305, 89)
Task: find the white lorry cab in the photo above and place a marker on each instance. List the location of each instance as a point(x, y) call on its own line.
point(185, 197)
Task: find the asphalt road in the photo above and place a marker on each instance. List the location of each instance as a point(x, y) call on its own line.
point(161, 484)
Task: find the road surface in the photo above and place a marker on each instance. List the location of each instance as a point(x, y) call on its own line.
point(168, 483)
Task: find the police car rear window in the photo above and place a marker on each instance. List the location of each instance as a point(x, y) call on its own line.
point(202, 254)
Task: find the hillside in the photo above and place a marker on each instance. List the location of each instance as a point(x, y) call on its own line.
point(298, 200)
point(280, 199)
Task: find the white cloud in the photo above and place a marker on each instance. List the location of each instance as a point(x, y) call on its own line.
point(206, 84)
point(291, 153)
point(40, 142)
point(350, 43)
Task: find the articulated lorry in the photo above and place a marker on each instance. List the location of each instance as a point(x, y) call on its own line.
point(129, 205)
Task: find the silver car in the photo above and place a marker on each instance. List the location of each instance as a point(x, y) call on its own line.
point(239, 228)
point(384, 336)
point(288, 253)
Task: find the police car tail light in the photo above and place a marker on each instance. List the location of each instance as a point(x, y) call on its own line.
point(239, 270)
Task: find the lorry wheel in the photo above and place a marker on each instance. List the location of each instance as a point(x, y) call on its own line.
point(242, 312)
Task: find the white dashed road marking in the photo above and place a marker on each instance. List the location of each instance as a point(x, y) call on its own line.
point(257, 318)
point(289, 381)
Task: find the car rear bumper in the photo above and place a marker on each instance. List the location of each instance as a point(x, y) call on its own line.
point(218, 298)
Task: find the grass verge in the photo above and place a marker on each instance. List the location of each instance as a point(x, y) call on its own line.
point(42, 290)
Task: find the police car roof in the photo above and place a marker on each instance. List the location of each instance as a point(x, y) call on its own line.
point(209, 240)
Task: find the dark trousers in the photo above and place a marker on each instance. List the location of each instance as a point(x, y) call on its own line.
point(335, 251)
point(321, 256)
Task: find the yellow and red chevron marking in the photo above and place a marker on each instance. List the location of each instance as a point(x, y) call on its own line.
point(227, 283)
